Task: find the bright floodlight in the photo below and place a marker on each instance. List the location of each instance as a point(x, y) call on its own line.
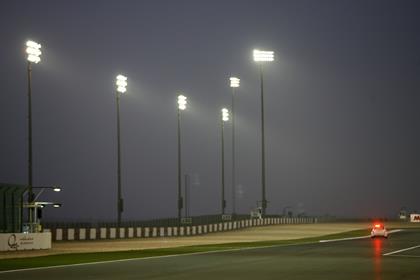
point(57, 205)
point(33, 51)
point(225, 114)
point(182, 102)
point(121, 83)
point(263, 56)
point(234, 82)
point(57, 189)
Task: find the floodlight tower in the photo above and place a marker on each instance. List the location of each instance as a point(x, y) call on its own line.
point(262, 57)
point(234, 83)
point(121, 83)
point(225, 118)
point(182, 105)
point(33, 51)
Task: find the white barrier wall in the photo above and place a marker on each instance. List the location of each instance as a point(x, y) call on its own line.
point(25, 241)
point(112, 233)
point(82, 233)
point(121, 232)
point(92, 234)
point(70, 234)
point(103, 233)
point(130, 232)
point(59, 234)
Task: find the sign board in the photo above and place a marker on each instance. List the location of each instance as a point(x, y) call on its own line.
point(226, 217)
point(25, 241)
point(415, 218)
point(186, 221)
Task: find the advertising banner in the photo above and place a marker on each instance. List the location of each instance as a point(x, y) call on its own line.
point(415, 218)
point(25, 241)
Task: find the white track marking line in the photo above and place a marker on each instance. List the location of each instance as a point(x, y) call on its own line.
point(402, 250)
point(354, 238)
point(405, 256)
point(343, 239)
point(157, 257)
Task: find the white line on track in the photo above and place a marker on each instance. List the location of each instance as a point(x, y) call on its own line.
point(157, 257)
point(405, 256)
point(402, 250)
point(355, 238)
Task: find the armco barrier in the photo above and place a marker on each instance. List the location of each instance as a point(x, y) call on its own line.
point(92, 233)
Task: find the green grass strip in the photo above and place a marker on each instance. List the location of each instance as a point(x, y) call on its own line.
point(79, 258)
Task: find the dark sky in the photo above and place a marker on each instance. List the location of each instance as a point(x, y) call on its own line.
point(342, 103)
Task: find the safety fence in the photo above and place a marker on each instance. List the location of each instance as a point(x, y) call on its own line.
point(102, 233)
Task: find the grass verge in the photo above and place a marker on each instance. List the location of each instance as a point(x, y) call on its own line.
point(79, 258)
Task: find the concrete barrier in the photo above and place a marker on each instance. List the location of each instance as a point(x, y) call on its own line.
point(59, 234)
point(103, 233)
point(121, 233)
point(70, 234)
point(82, 234)
point(112, 233)
point(92, 233)
point(130, 232)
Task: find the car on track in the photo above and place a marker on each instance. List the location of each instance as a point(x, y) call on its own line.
point(378, 230)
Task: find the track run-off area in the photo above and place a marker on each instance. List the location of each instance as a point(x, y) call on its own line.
point(353, 257)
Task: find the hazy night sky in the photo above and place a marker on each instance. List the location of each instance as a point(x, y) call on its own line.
point(342, 103)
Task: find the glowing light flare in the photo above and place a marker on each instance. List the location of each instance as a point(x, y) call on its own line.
point(263, 56)
point(121, 83)
point(182, 102)
point(225, 114)
point(33, 51)
point(33, 44)
point(234, 82)
point(378, 226)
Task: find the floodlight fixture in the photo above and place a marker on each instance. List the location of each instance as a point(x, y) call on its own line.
point(234, 82)
point(33, 51)
point(182, 102)
point(225, 114)
point(121, 83)
point(263, 56)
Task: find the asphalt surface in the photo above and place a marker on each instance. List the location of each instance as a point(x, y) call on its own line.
point(350, 259)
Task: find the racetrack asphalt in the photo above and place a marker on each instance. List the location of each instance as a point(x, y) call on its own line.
point(349, 259)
